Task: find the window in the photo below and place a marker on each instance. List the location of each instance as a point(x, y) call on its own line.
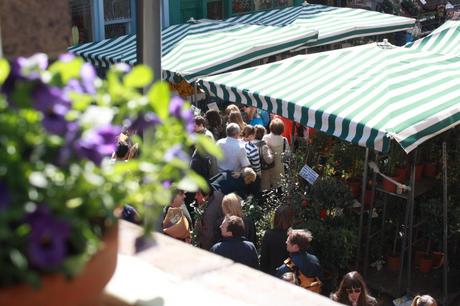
point(246, 6)
point(82, 25)
point(117, 18)
point(214, 10)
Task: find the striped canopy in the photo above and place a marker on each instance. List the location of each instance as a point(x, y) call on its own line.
point(333, 23)
point(366, 95)
point(443, 40)
point(211, 53)
point(202, 49)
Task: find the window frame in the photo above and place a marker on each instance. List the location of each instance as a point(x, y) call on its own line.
point(99, 22)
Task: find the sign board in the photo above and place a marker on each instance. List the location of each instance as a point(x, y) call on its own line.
point(213, 105)
point(308, 174)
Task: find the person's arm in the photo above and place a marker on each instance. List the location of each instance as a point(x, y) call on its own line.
point(244, 161)
point(264, 254)
point(267, 154)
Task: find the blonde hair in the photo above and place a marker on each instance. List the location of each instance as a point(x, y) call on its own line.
point(231, 108)
point(249, 175)
point(235, 117)
point(231, 205)
point(424, 300)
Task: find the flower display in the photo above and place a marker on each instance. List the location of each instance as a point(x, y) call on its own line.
point(60, 125)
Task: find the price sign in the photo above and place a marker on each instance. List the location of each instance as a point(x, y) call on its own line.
point(213, 105)
point(308, 174)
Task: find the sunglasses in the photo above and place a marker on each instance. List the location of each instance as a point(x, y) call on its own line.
point(353, 290)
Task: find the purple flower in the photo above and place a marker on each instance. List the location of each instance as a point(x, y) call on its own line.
point(167, 184)
point(187, 118)
point(88, 76)
point(4, 196)
point(66, 151)
point(47, 240)
point(122, 67)
point(176, 152)
point(145, 121)
point(66, 57)
point(29, 68)
point(98, 143)
point(175, 107)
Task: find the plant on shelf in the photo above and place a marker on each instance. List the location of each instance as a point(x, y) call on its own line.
point(58, 188)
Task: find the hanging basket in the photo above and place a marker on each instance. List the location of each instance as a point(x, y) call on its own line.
point(82, 290)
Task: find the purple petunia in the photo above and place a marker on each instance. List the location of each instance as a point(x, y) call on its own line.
point(54, 104)
point(98, 143)
point(66, 57)
point(29, 68)
point(175, 107)
point(188, 119)
point(47, 243)
point(176, 152)
point(145, 121)
point(166, 184)
point(4, 196)
point(88, 76)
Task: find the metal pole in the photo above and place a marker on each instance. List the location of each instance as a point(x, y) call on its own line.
point(363, 196)
point(149, 35)
point(369, 222)
point(445, 225)
point(195, 93)
point(1, 49)
point(411, 222)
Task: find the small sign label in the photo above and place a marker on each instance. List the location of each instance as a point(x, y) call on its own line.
point(308, 174)
point(213, 105)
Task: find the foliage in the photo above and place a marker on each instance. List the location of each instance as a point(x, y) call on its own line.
point(58, 188)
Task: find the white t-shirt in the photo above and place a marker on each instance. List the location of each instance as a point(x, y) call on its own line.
point(235, 157)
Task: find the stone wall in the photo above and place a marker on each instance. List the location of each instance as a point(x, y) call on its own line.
point(31, 26)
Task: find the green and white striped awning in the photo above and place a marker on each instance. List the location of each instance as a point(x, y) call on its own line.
point(206, 54)
point(366, 95)
point(334, 24)
point(189, 53)
point(443, 40)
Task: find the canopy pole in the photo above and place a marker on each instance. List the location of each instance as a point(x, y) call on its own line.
point(363, 195)
point(445, 222)
point(369, 220)
point(195, 93)
point(411, 222)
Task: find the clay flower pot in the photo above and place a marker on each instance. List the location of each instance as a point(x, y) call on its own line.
point(438, 259)
point(418, 254)
point(426, 262)
point(389, 186)
point(393, 262)
point(83, 290)
point(419, 171)
point(355, 186)
point(430, 170)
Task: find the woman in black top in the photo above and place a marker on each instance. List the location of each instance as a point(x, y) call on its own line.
point(353, 291)
point(273, 252)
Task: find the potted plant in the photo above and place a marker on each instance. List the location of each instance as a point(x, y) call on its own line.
point(58, 188)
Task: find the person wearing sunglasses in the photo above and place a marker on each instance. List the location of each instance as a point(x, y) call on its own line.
point(353, 291)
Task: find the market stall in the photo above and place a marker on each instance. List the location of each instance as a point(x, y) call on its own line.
point(367, 95)
point(443, 40)
point(334, 24)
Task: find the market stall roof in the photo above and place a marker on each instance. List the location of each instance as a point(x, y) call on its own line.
point(366, 95)
point(443, 40)
point(334, 24)
point(123, 49)
point(211, 53)
point(190, 51)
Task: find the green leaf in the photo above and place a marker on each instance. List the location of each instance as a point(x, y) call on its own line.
point(159, 99)
point(67, 70)
point(18, 259)
point(4, 70)
point(74, 203)
point(139, 77)
point(73, 265)
point(206, 144)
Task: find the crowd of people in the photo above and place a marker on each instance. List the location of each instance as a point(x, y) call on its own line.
point(254, 147)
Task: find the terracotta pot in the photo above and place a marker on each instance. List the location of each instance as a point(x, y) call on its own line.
point(426, 262)
point(355, 186)
point(438, 259)
point(401, 173)
point(417, 255)
point(430, 170)
point(393, 262)
point(389, 186)
point(83, 290)
point(419, 171)
point(367, 199)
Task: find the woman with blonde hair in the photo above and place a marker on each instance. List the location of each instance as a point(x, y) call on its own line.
point(231, 205)
point(235, 117)
point(424, 300)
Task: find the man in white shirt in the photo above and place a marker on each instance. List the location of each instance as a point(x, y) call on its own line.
point(235, 157)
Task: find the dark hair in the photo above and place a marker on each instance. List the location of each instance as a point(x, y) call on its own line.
point(277, 126)
point(200, 121)
point(121, 150)
point(249, 130)
point(260, 131)
point(283, 218)
point(301, 238)
point(235, 226)
point(213, 118)
point(351, 280)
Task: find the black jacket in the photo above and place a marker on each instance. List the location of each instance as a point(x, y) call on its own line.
point(237, 249)
point(273, 251)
